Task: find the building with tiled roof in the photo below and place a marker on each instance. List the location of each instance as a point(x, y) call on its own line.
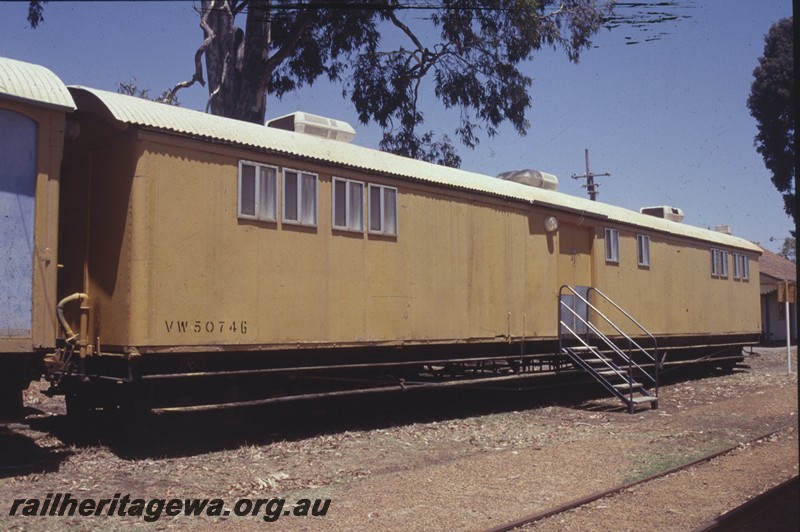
point(775, 271)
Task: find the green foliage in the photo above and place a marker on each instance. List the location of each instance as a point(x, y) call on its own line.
point(466, 53)
point(36, 12)
point(131, 88)
point(789, 249)
point(771, 103)
point(422, 147)
point(473, 62)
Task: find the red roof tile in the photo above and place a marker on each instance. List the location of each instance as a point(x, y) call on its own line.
point(776, 266)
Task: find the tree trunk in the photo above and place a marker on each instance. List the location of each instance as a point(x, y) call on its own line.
point(253, 68)
point(237, 61)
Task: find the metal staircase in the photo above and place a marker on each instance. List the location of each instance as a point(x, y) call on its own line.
point(620, 364)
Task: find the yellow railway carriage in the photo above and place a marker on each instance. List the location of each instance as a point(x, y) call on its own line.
point(234, 247)
point(196, 249)
point(33, 105)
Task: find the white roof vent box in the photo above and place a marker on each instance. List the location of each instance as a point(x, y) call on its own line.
point(664, 211)
point(724, 229)
point(532, 178)
point(319, 126)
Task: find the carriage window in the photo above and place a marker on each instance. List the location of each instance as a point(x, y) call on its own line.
point(348, 205)
point(258, 192)
point(382, 210)
point(643, 246)
point(741, 267)
point(612, 245)
point(299, 198)
point(719, 263)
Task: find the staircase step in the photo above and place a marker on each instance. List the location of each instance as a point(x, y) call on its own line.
point(608, 373)
point(645, 399)
point(628, 386)
point(581, 348)
point(597, 360)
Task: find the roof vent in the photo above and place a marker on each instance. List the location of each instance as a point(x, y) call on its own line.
point(319, 126)
point(724, 229)
point(532, 178)
point(664, 211)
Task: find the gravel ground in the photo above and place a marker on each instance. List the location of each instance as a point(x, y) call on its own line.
point(465, 461)
point(704, 492)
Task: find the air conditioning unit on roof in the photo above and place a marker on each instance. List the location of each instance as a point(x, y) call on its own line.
point(664, 211)
point(725, 229)
point(319, 126)
point(532, 178)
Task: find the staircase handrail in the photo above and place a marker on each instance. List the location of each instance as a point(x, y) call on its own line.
point(654, 378)
point(654, 357)
point(632, 319)
point(614, 325)
point(603, 382)
point(608, 342)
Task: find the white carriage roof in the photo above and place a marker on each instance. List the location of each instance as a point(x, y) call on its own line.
point(121, 111)
point(33, 84)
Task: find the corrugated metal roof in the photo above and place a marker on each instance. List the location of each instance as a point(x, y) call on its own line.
point(33, 84)
point(136, 111)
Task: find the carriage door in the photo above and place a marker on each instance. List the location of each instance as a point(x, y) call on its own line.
point(575, 270)
point(17, 187)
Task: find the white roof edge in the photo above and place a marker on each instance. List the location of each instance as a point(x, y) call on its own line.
point(34, 84)
point(137, 111)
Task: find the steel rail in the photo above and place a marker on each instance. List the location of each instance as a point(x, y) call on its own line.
point(751, 508)
point(600, 494)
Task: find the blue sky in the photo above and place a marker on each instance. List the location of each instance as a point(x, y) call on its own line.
point(667, 118)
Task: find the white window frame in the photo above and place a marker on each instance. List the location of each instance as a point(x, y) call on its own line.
point(304, 217)
point(643, 250)
point(383, 217)
point(741, 267)
point(353, 221)
point(719, 263)
point(724, 259)
point(715, 263)
point(612, 245)
point(260, 206)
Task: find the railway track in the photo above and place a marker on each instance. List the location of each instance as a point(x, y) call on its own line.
point(769, 507)
point(723, 522)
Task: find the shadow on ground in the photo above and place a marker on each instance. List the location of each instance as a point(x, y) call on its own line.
point(24, 453)
point(189, 434)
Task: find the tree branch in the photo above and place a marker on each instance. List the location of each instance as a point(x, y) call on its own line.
point(302, 23)
point(238, 8)
point(198, 64)
point(215, 92)
point(405, 29)
point(554, 13)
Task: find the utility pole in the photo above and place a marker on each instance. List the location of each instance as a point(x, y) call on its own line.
point(590, 185)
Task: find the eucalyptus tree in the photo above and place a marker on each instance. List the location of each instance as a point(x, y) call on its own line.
point(466, 53)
